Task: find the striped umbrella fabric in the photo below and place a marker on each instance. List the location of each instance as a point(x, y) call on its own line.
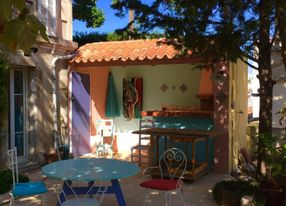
point(112, 106)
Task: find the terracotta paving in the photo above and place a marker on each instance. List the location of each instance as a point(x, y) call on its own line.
point(197, 193)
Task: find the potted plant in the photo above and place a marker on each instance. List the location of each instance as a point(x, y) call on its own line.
point(6, 180)
point(274, 184)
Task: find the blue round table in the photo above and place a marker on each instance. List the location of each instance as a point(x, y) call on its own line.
point(92, 169)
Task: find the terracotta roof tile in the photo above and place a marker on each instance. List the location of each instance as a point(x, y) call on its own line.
point(125, 50)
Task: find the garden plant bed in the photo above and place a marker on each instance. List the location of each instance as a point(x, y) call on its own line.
point(6, 180)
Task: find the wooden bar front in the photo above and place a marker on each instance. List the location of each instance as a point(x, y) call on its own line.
point(195, 169)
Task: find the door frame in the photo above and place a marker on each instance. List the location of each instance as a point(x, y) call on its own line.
point(12, 112)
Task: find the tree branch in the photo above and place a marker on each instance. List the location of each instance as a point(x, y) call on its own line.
point(248, 64)
point(250, 57)
point(274, 36)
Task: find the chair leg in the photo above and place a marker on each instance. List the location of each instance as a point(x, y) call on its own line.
point(166, 199)
point(145, 198)
point(44, 200)
point(131, 156)
point(180, 191)
point(11, 200)
point(111, 151)
point(139, 157)
point(168, 196)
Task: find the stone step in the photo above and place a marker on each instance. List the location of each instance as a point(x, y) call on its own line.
point(28, 166)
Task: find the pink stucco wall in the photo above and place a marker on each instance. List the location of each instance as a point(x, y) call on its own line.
point(206, 84)
point(98, 88)
point(221, 122)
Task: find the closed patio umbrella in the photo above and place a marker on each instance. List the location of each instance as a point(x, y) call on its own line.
point(111, 107)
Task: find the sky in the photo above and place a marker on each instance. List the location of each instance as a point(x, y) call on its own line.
point(111, 21)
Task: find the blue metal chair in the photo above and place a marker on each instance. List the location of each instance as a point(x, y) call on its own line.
point(23, 189)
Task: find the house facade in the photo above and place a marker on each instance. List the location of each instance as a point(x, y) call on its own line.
point(279, 91)
point(34, 81)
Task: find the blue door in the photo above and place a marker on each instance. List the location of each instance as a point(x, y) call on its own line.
point(80, 113)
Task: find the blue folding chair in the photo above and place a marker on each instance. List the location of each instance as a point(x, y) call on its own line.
point(23, 189)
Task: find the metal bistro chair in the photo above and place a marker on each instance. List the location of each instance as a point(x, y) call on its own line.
point(105, 131)
point(63, 146)
point(143, 124)
point(26, 188)
point(74, 199)
point(172, 167)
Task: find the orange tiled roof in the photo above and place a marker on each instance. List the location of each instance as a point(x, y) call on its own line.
point(125, 50)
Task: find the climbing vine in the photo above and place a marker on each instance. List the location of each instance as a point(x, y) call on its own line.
point(4, 83)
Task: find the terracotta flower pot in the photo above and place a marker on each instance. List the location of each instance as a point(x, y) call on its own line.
point(51, 157)
point(275, 194)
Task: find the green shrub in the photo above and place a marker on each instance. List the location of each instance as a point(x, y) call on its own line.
point(230, 192)
point(6, 180)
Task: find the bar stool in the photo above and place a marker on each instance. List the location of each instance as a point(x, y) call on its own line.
point(143, 124)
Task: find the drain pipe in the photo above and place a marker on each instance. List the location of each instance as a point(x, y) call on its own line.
point(54, 87)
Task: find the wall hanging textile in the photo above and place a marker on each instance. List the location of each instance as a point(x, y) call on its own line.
point(132, 97)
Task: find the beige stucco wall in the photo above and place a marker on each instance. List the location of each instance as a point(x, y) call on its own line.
point(39, 127)
point(41, 121)
point(238, 121)
point(279, 89)
point(40, 116)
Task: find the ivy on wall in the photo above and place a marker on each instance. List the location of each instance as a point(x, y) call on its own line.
point(4, 83)
point(4, 86)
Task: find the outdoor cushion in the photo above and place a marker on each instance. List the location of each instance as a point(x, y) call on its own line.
point(81, 202)
point(29, 188)
point(160, 184)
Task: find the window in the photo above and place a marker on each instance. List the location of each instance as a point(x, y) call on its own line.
point(47, 10)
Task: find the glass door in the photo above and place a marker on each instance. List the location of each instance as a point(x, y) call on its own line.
point(17, 112)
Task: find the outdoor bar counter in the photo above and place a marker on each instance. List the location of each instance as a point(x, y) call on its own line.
point(191, 131)
point(178, 113)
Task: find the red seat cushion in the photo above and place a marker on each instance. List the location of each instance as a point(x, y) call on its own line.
point(160, 184)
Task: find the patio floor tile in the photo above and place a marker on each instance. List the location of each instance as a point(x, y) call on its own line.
point(197, 193)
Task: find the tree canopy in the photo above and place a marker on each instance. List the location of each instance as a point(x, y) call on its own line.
point(88, 12)
point(84, 37)
point(19, 29)
point(223, 29)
